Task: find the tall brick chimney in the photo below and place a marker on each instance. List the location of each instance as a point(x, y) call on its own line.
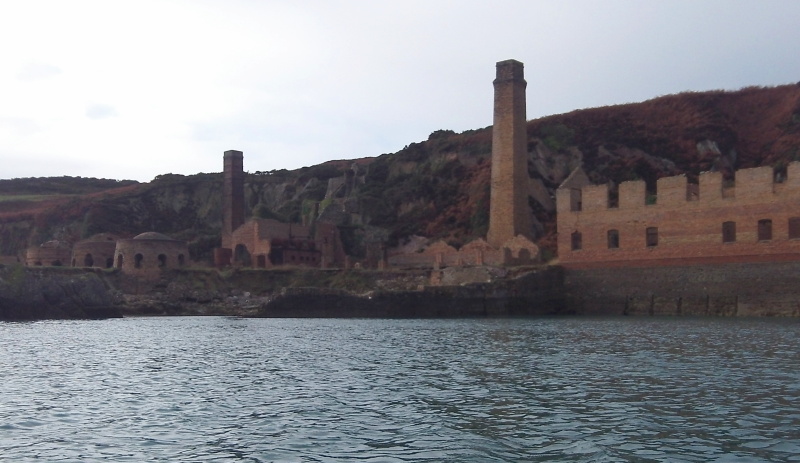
point(232, 195)
point(509, 214)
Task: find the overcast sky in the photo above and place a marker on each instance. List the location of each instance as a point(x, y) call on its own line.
point(133, 89)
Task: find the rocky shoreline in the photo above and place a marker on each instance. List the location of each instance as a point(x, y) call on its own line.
point(729, 290)
point(42, 293)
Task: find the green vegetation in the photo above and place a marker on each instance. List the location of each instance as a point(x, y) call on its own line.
point(46, 186)
point(557, 137)
point(27, 198)
point(262, 211)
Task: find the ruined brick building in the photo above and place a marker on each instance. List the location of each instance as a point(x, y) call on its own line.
point(145, 255)
point(148, 253)
point(753, 219)
point(266, 243)
point(96, 251)
point(52, 253)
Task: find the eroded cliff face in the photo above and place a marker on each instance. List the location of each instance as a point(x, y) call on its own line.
point(439, 188)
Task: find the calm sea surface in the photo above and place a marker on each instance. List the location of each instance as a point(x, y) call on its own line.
point(256, 390)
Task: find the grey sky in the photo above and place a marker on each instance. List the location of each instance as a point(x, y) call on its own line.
point(133, 89)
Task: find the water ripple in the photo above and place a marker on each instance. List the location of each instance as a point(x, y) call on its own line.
point(228, 389)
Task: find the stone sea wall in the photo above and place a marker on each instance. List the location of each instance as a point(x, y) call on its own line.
point(534, 293)
point(740, 289)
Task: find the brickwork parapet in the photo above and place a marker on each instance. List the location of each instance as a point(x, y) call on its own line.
point(756, 216)
point(750, 185)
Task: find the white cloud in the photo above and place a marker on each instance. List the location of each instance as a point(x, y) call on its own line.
point(37, 71)
point(100, 111)
point(139, 88)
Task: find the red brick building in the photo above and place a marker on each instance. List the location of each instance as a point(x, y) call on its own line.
point(147, 254)
point(49, 254)
point(752, 219)
point(265, 243)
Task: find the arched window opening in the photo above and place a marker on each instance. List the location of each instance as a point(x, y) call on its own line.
point(651, 237)
point(88, 260)
point(120, 259)
point(764, 230)
point(110, 262)
point(577, 241)
point(137, 260)
point(162, 260)
point(613, 239)
point(728, 232)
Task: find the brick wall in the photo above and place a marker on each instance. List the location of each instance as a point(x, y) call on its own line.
point(47, 256)
point(148, 258)
point(688, 220)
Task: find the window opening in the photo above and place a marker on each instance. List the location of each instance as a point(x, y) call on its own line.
point(613, 239)
point(728, 232)
point(137, 260)
point(779, 173)
point(575, 200)
point(794, 227)
point(577, 241)
point(613, 196)
point(652, 237)
point(764, 230)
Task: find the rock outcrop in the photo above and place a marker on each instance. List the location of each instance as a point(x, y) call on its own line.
point(36, 294)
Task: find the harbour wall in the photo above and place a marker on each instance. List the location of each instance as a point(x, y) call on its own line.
point(754, 289)
point(536, 293)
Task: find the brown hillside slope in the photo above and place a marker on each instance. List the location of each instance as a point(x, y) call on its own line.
point(438, 188)
point(752, 127)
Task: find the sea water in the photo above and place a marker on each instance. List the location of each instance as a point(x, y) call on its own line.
point(321, 390)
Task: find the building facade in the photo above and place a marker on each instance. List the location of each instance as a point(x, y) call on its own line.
point(265, 243)
point(752, 219)
point(49, 254)
point(96, 251)
point(149, 253)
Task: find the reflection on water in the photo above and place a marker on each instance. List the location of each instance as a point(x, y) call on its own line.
point(227, 389)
